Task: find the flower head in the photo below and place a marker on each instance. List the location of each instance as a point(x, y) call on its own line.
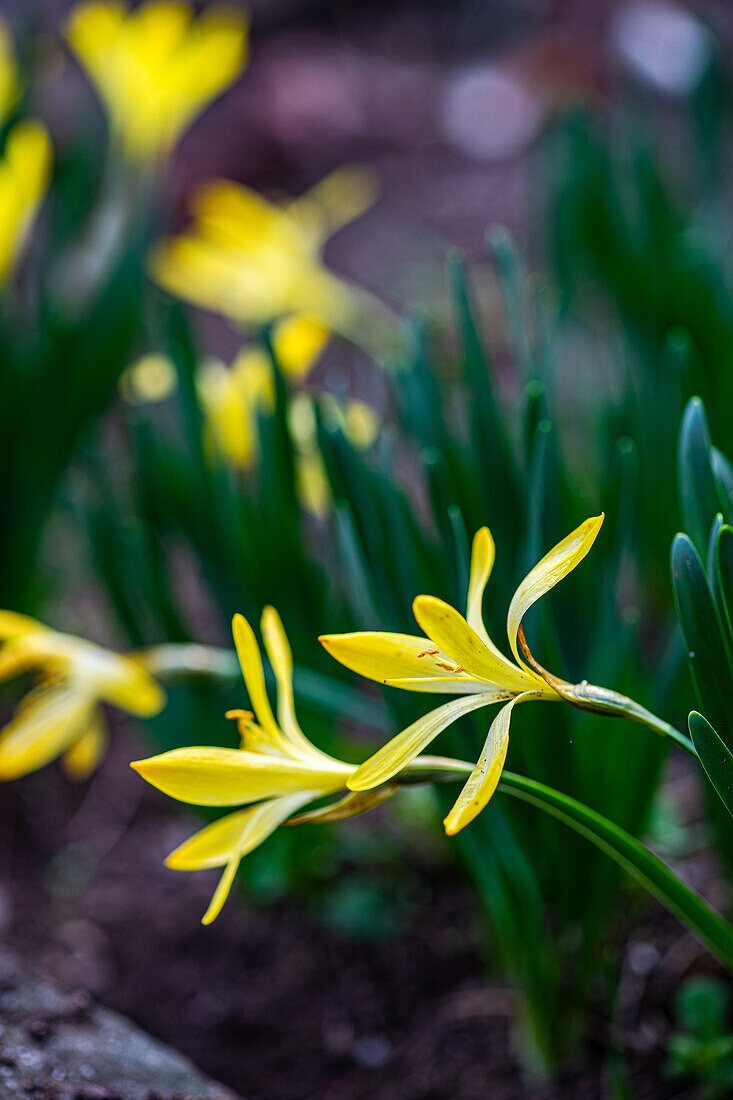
point(456, 655)
point(156, 68)
point(255, 260)
point(62, 715)
point(273, 775)
point(275, 772)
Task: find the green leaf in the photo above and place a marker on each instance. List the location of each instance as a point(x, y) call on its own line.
point(724, 574)
point(707, 649)
point(723, 474)
point(704, 922)
point(699, 501)
point(715, 757)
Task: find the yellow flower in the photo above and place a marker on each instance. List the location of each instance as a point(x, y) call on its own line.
point(25, 170)
point(62, 716)
point(254, 260)
point(277, 769)
point(456, 655)
point(156, 68)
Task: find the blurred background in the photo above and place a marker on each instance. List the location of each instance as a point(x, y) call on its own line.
point(535, 251)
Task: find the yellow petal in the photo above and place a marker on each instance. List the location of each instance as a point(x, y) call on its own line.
point(85, 754)
point(382, 656)
point(260, 822)
point(484, 778)
point(155, 67)
point(297, 342)
point(351, 805)
point(442, 685)
point(555, 565)
point(16, 657)
point(281, 659)
point(42, 728)
point(249, 658)
point(214, 845)
point(225, 777)
point(403, 748)
point(117, 679)
point(12, 624)
point(450, 631)
point(482, 560)
point(334, 201)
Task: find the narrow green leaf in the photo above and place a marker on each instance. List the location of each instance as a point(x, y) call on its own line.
point(715, 757)
point(704, 922)
point(724, 575)
point(707, 648)
point(723, 474)
point(699, 501)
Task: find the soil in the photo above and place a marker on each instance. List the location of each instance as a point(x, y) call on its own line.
point(270, 1001)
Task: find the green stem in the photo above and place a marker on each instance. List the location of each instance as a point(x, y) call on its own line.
point(704, 922)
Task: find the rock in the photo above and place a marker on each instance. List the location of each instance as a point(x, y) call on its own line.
point(59, 1045)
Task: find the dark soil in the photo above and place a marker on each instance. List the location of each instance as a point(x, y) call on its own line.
point(268, 1000)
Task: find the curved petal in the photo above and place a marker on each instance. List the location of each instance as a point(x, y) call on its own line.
point(116, 678)
point(12, 624)
point(403, 748)
point(45, 724)
point(450, 631)
point(256, 825)
point(443, 685)
point(281, 659)
point(224, 777)
point(249, 658)
point(548, 572)
point(383, 656)
point(85, 754)
point(482, 561)
point(484, 778)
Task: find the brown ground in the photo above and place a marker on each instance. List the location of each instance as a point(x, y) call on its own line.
point(269, 1000)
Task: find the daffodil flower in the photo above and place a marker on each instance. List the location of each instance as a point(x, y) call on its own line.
point(274, 774)
point(156, 67)
point(62, 716)
point(457, 656)
point(254, 260)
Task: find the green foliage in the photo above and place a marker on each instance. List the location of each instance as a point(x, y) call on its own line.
point(457, 456)
point(701, 1049)
point(701, 578)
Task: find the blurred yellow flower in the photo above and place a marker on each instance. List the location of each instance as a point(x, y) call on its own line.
point(457, 656)
point(25, 170)
point(254, 260)
point(158, 66)
point(277, 768)
point(62, 716)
